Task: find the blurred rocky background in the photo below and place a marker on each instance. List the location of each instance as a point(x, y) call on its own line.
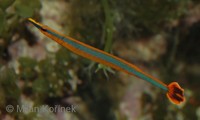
point(160, 37)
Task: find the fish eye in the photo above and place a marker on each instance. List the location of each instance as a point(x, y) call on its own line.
point(43, 29)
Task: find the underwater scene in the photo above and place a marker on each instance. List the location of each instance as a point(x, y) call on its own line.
point(99, 60)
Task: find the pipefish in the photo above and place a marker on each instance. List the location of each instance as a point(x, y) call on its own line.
point(173, 91)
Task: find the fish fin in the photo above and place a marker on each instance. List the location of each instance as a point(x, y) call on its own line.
point(175, 93)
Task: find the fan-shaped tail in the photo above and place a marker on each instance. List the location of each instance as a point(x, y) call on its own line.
point(175, 93)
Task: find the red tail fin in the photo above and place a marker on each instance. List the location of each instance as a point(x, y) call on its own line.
point(175, 93)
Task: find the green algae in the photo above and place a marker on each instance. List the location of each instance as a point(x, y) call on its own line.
point(9, 90)
point(26, 8)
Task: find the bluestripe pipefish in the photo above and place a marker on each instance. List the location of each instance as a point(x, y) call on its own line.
point(174, 92)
